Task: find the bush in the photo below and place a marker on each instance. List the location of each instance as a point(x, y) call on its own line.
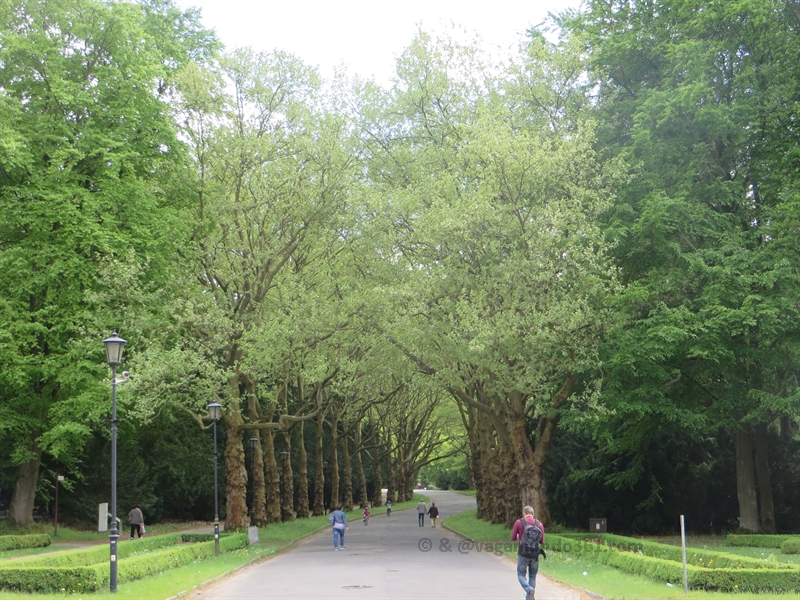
point(193, 538)
point(791, 546)
point(17, 542)
point(99, 554)
point(756, 540)
point(694, 556)
point(91, 578)
point(724, 580)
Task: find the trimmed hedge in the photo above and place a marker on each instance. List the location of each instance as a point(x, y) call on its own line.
point(756, 540)
point(99, 554)
point(18, 542)
point(694, 556)
point(791, 546)
point(724, 580)
point(193, 538)
point(92, 578)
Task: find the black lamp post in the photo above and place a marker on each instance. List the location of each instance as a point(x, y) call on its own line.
point(253, 444)
point(114, 346)
point(215, 412)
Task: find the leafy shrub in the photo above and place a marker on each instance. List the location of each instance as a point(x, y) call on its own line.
point(694, 556)
point(17, 542)
point(193, 538)
point(724, 580)
point(756, 540)
point(59, 579)
point(100, 554)
point(791, 546)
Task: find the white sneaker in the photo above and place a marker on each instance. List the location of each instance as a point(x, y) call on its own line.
point(342, 547)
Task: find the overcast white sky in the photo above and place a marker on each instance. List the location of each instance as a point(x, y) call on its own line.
point(365, 35)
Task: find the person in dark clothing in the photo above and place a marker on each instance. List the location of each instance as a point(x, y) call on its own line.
point(137, 520)
point(433, 512)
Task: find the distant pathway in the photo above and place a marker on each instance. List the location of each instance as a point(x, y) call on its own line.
point(385, 560)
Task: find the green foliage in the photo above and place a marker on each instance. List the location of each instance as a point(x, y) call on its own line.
point(756, 540)
point(135, 563)
point(16, 542)
point(791, 546)
point(99, 554)
point(724, 579)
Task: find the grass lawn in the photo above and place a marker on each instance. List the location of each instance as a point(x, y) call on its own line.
point(601, 579)
point(169, 583)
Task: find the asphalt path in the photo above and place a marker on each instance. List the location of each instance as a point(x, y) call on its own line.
point(391, 558)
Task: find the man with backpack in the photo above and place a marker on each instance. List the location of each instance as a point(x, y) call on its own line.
point(530, 534)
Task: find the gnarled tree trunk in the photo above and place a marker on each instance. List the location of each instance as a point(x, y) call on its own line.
point(319, 468)
point(391, 487)
point(377, 480)
point(764, 480)
point(362, 478)
point(287, 497)
point(273, 491)
point(24, 494)
point(745, 483)
point(302, 474)
point(347, 475)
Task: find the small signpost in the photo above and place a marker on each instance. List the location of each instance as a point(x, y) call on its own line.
point(102, 517)
point(683, 545)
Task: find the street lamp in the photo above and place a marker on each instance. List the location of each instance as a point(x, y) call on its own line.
point(253, 444)
point(215, 412)
point(55, 519)
point(114, 346)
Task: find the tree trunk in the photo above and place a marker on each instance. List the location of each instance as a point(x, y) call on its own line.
point(391, 488)
point(302, 474)
point(259, 483)
point(24, 494)
point(362, 478)
point(764, 480)
point(235, 474)
point(334, 463)
point(347, 475)
point(401, 475)
point(377, 480)
point(287, 499)
point(273, 492)
point(319, 467)
point(745, 484)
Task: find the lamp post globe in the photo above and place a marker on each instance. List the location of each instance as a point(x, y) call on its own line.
point(215, 412)
point(114, 347)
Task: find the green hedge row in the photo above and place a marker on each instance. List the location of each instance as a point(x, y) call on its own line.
point(192, 538)
point(694, 556)
point(17, 542)
point(724, 580)
point(791, 546)
point(171, 558)
point(92, 578)
point(757, 540)
point(99, 554)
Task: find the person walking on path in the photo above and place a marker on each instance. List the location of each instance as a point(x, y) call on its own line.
point(433, 512)
point(530, 534)
point(388, 508)
point(421, 510)
point(366, 515)
point(137, 520)
point(339, 522)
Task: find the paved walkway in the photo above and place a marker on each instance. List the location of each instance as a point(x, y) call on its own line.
point(392, 558)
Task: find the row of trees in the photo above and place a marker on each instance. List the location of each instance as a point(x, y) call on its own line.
point(593, 239)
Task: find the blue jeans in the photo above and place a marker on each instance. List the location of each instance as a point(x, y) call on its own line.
point(338, 534)
point(532, 567)
point(421, 519)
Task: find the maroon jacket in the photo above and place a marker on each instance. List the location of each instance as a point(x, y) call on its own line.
point(433, 512)
point(519, 528)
